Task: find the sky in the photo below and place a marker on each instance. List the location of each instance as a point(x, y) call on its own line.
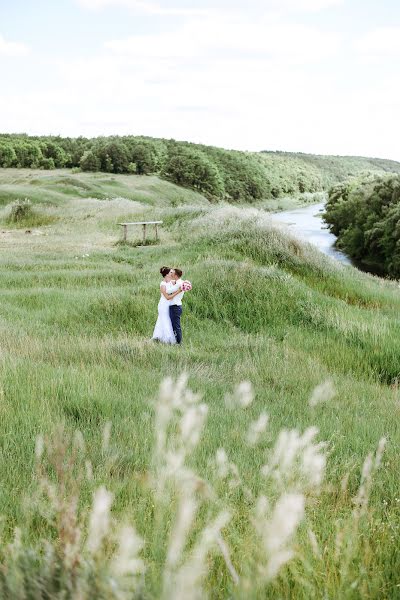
point(319, 76)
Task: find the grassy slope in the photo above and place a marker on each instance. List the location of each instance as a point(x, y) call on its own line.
point(74, 340)
point(331, 169)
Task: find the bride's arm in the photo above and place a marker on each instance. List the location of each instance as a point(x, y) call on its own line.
point(169, 296)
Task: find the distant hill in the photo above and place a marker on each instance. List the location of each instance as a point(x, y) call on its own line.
point(330, 169)
point(219, 174)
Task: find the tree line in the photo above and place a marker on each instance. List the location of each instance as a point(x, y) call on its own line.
point(364, 213)
point(230, 175)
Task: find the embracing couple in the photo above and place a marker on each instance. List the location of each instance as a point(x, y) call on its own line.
point(168, 326)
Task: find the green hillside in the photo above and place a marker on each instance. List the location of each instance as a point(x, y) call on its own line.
point(326, 169)
point(77, 312)
point(220, 174)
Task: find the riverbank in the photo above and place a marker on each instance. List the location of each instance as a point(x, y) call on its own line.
point(286, 203)
point(307, 224)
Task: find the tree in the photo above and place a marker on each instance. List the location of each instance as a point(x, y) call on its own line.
point(194, 169)
point(90, 161)
point(29, 154)
point(114, 157)
point(8, 158)
point(144, 157)
point(365, 215)
point(51, 150)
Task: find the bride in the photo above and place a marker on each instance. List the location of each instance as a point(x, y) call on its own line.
point(163, 329)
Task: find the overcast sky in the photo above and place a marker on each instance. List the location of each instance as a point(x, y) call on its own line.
point(317, 76)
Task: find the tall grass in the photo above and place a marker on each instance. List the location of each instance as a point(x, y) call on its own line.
point(76, 317)
point(91, 554)
point(23, 215)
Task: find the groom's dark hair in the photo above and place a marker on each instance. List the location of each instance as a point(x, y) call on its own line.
point(164, 271)
point(178, 272)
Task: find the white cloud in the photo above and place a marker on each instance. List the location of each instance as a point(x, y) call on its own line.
point(384, 41)
point(239, 85)
point(11, 49)
point(305, 5)
point(253, 106)
point(141, 6)
point(165, 7)
point(208, 39)
point(230, 79)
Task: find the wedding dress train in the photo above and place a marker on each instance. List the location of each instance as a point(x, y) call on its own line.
point(163, 330)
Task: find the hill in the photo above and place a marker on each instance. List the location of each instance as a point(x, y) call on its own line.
point(219, 174)
point(77, 311)
point(328, 169)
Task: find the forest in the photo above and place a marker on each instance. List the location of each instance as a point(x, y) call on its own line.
point(364, 213)
point(229, 175)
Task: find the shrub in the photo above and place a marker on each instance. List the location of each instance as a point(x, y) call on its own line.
point(47, 163)
point(22, 214)
point(21, 210)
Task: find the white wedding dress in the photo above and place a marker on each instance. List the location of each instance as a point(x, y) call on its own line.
point(163, 329)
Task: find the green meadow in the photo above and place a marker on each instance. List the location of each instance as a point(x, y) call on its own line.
point(77, 313)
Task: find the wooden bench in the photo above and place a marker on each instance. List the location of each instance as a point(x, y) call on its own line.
point(144, 225)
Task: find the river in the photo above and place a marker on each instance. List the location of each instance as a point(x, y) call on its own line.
point(307, 224)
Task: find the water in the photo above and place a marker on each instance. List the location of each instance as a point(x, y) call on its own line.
point(307, 224)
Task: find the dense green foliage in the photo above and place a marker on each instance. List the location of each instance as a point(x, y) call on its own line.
point(365, 215)
point(220, 174)
point(77, 311)
point(319, 170)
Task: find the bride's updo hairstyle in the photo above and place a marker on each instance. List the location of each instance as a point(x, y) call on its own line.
point(164, 271)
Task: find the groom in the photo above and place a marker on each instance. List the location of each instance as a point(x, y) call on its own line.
point(175, 309)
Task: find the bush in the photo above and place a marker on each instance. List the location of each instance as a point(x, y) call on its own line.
point(21, 210)
point(47, 163)
point(22, 214)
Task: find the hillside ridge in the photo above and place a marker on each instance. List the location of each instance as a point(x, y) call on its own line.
point(230, 175)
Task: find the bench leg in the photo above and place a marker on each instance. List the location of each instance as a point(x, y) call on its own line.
point(144, 235)
point(156, 232)
point(125, 232)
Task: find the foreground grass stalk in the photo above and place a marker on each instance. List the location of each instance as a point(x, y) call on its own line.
point(86, 553)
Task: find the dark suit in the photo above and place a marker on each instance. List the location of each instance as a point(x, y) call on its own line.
point(175, 313)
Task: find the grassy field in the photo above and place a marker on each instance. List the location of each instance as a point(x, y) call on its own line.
point(76, 316)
